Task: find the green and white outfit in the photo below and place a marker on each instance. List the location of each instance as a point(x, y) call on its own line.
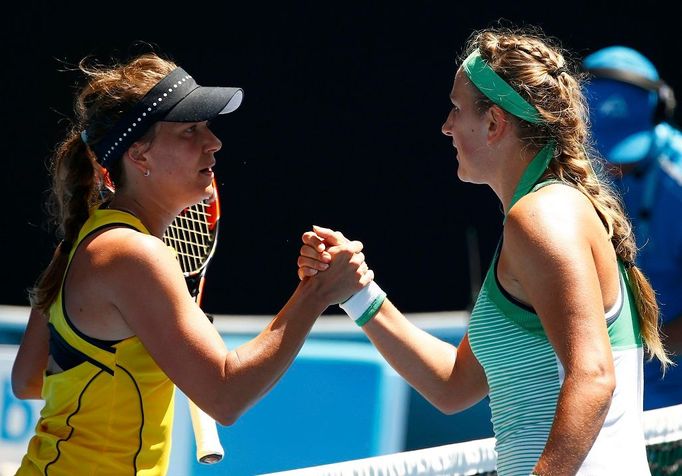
point(525, 376)
point(524, 373)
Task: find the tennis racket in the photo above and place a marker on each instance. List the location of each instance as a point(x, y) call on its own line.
point(194, 235)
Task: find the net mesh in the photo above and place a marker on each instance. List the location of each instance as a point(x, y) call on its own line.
point(663, 434)
point(662, 431)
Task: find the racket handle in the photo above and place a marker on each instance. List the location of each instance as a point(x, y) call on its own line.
point(209, 449)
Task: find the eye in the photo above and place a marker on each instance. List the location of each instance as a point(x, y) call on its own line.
point(191, 129)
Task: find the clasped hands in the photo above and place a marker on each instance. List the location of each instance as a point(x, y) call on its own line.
point(336, 262)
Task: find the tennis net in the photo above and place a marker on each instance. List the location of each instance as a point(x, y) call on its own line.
point(662, 431)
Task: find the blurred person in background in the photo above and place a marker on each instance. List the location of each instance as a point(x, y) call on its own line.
point(631, 110)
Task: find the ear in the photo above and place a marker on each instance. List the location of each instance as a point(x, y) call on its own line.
point(137, 157)
point(498, 123)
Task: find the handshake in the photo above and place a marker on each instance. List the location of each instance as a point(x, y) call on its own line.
point(337, 266)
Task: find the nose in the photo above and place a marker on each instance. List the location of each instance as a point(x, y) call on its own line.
point(213, 144)
point(446, 128)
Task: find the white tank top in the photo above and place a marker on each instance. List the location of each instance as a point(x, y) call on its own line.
point(525, 376)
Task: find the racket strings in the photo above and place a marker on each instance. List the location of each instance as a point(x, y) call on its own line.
point(191, 235)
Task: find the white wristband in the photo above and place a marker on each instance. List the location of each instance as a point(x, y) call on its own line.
point(363, 305)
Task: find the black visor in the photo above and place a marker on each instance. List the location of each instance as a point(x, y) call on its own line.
point(176, 98)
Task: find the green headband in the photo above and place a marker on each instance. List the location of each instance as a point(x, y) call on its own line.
point(497, 89)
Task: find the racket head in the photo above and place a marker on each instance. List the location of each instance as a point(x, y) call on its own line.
point(194, 236)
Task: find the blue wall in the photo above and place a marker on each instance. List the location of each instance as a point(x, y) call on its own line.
point(339, 400)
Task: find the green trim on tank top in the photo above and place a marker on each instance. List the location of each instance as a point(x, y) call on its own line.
point(520, 316)
point(532, 174)
point(624, 331)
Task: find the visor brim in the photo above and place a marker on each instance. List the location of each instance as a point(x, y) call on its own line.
point(205, 103)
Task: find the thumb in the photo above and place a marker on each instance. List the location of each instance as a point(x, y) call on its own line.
point(330, 236)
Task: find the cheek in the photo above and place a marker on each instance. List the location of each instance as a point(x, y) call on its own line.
point(470, 139)
point(465, 144)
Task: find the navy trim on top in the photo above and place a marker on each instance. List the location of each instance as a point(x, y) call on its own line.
point(67, 356)
point(102, 344)
point(139, 396)
point(68, 423)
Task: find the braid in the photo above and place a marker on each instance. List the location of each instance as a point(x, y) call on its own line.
point(536, 67)
point(74, 191)
point(76, 176)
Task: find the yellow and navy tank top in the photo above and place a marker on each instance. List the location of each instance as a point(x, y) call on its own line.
point(110, 411)
point(525, 376)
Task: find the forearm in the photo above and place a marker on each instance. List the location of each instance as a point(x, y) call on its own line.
point(253, 368)
point(427, 363)
point(31, 360)
point(581, 410)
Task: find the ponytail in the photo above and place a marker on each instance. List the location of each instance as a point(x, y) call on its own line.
point(76, 176)
point(75, 190)
point(648, 316)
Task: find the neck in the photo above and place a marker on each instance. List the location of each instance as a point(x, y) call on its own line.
point(516, 160)
point(152, 215)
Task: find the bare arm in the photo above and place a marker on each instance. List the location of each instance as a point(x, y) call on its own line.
point(149, 291)
point(550, 249)
point(450, 378)
point(447, 376)
point(31, 361)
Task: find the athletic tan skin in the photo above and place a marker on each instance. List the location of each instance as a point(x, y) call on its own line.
point(556, 257)
point(123, 283)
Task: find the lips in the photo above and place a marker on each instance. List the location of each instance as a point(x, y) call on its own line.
point(208, 170)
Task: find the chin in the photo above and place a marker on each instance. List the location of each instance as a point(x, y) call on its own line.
point(208, 192)
point(462, 175)
point(199, 197)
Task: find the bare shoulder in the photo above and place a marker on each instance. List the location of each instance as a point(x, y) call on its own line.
point(556, 217)
point(127, 243)
point(130, 256)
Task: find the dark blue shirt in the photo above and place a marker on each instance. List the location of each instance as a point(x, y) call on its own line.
point(653, 200)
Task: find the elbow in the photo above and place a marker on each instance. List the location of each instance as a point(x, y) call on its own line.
point(24, 391)
point(447, 406)
point(603, 382)
point(606, 385)
point(450, 403)
point(228, 415)
point(450, 407)
point(597, 385)
point(228, 419)
point(452, 396)
point(19, 392)
point(447, 410)
point(26, 385)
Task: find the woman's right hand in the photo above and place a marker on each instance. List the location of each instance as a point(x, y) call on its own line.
point(344, 271)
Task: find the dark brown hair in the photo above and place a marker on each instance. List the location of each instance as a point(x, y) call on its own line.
point(77, 178)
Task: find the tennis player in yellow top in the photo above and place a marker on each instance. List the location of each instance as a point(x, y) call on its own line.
point(113, 326)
